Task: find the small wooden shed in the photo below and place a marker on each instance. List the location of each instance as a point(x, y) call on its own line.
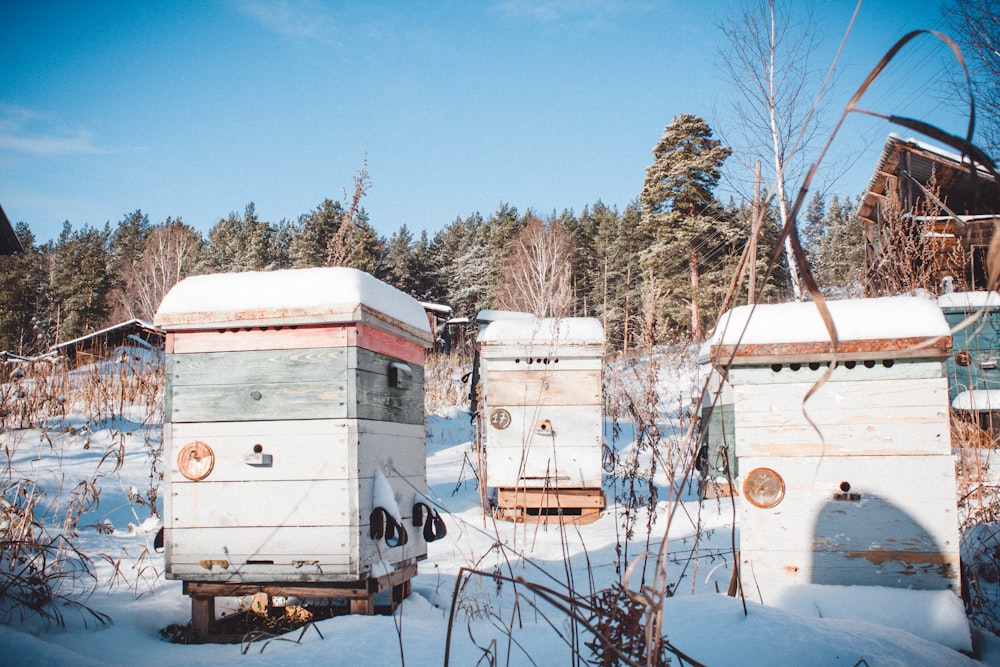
point(846, 477)
point(293, 436)
point(543, 416)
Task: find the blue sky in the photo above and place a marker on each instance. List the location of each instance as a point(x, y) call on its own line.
point(193, 109)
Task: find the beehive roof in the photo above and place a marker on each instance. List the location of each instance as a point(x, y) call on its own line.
point(544, 331)
point(968, 300)
point(287, 297)
point(889, 326)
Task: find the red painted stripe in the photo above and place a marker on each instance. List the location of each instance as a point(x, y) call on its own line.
point(296, 338)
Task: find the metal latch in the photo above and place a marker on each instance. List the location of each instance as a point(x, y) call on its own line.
point(258, 459)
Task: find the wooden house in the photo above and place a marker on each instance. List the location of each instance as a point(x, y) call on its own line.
point(9, 243)
point(119, 339)
point(294, 437)
point(913, 178)
point(542, 402)
point(846, 476)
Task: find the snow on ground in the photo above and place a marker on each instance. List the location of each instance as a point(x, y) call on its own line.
point(710, 627)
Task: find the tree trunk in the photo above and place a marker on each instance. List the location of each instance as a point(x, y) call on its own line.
point(695, 310)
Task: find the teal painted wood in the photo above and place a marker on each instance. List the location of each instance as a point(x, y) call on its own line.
point(371, 395)
point(981, 340)
point(375, 399)
point(314, 383)
point(719, 424)
point(262, 401)
point(259, 366)
point(168, 394)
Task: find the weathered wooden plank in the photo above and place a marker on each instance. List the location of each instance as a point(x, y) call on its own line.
point(567, 426)
point(282, 544)
point(886, 515)
point(791, 352)
point(302, 365)
point(539, 465)
point(766, 573)
point(395, 449)
point(313, 572)
point(372, 394)
point(298, 589)
point(551, 498)
point(879, 418)
point(389, 345)
point(373, 398)
point(541, 351)
point(846, 396)
point(281, 503)
point(844, 372)
point(520, 363)
point(360, 587)
point(272, 338)
point(298, 449)
point(550, 387)
point(883, 438)
point(263, 401)
point(278, 337)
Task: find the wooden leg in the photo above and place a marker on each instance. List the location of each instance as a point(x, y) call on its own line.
point(399, 593)
point(202, 615)
point(363, 606)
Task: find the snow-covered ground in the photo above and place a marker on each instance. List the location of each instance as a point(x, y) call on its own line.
point(498, 619)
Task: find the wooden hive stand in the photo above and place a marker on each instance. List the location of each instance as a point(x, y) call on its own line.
point(549, 505)
point(360, 595)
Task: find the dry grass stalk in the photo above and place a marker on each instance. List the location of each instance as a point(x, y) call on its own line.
point(42, 569)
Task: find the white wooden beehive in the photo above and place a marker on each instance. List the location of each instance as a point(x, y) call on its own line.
point(543, 402)
point(291, 397)
point(854, 485)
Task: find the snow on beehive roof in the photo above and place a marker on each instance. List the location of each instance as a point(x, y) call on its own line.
point(291, 296)
point(856, 319)
point(545, 331)
point(968, 300)
point(488, 315)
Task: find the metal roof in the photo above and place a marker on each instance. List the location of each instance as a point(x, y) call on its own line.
point(966, 191)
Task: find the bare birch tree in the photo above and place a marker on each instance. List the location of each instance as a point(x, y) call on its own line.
point(538, 275)
point(766, 58)
point(169, 254)
point(976, 25)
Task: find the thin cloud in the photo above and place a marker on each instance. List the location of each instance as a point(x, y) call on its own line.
point(18, 134)
point(299, 19)
point(575, 11)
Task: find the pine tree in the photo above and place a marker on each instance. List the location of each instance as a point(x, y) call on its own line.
point(367, 251)
point(127, 243)
point(460, 262)
point(23, 297)
point(839, 255)
point(399, 260)
point(680, 213)
point(314, 233)
point(501, 230)
point(79, 282)
point(244, 244)
point(422, 275)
